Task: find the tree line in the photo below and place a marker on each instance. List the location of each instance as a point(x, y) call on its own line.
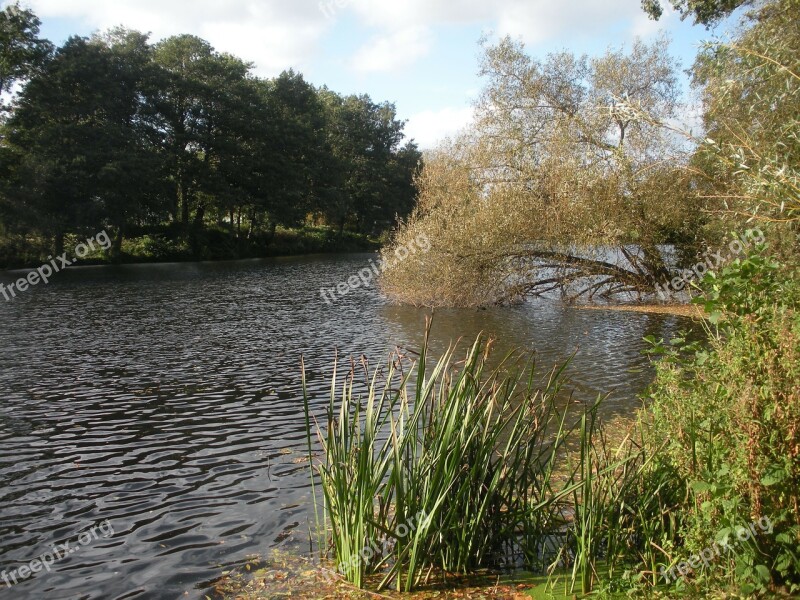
point(113, 131)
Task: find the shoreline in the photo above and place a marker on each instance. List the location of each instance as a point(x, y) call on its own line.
point(289, 244)
point(678, 310)
point(87, 264)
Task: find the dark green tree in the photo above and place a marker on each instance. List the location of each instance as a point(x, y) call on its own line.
point(201, 107)
point(704, 12)
point(291, 152)
point(364, 139)
point(115, 132)
point(22, 51)
point(128, 196)
point(81, 136)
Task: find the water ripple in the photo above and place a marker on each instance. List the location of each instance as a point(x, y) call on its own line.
point(166, 400)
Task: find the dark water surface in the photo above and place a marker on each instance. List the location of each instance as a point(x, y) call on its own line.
point(165, 399)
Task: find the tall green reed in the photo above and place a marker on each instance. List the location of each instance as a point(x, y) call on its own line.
point(467, 447)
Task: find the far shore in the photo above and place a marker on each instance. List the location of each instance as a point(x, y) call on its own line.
point(682, 310)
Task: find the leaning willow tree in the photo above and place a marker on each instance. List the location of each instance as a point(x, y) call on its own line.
point(557, 187)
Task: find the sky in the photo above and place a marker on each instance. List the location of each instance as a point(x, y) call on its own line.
point(421, 55)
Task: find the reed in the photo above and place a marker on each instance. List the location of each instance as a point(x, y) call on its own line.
point(438, 468)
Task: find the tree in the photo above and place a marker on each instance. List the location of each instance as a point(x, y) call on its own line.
point(291, 150)
point(364, 140)
point(751, 92)
point(114, 131)
point(22, 51)
point(400, 185)
point(133, 149)
point(556, 188)
point(198, 102)
point(704, 12)
point(81, 135)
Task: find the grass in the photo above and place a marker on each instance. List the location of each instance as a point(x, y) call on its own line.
point(446, 466)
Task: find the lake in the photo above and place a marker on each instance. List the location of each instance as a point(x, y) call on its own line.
point(165, 402)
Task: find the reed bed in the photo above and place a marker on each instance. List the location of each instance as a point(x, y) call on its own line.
point(451, 466)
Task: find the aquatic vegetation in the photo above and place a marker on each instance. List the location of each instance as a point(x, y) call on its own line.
point(438, 468)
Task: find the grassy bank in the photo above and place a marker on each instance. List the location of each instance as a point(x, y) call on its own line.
point(169, 244)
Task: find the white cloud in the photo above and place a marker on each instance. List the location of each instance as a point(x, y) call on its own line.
point(644, 26)
point(393, 51)
point(430, 127)
point(533, 20)
point(271, 33)
point(277, 34)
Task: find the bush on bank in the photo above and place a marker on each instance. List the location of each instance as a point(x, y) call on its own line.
point(727, 414)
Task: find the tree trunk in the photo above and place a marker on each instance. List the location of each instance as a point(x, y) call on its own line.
point(58, 244)
point(253, 224)
point(272, 227)
point(116, 247)
point(199, 215)
point(185, 209)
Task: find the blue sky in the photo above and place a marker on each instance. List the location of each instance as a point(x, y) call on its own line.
point(420, 54)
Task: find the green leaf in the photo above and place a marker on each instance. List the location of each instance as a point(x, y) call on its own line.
point(701, 486)
point(763, 573)
point(774, 477)
point(724, 533)
point(748, 589)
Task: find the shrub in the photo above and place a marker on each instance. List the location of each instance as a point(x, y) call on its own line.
point(729, 413)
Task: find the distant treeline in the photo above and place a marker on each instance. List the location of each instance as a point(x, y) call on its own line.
point(177, 140)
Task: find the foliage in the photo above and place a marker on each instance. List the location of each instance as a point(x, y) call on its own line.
point(555, 188)
point(22, 52)
point(368, 166)
point(113, 132)
point(78, 133)
point(751, 91)
point(458, 467)
point(729, 413)
point(704, 12)
point(559, 187)
point(436, 469)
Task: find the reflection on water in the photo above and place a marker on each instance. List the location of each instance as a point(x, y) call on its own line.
point(166, 400)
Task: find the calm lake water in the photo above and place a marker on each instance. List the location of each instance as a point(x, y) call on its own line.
point(165, 400)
